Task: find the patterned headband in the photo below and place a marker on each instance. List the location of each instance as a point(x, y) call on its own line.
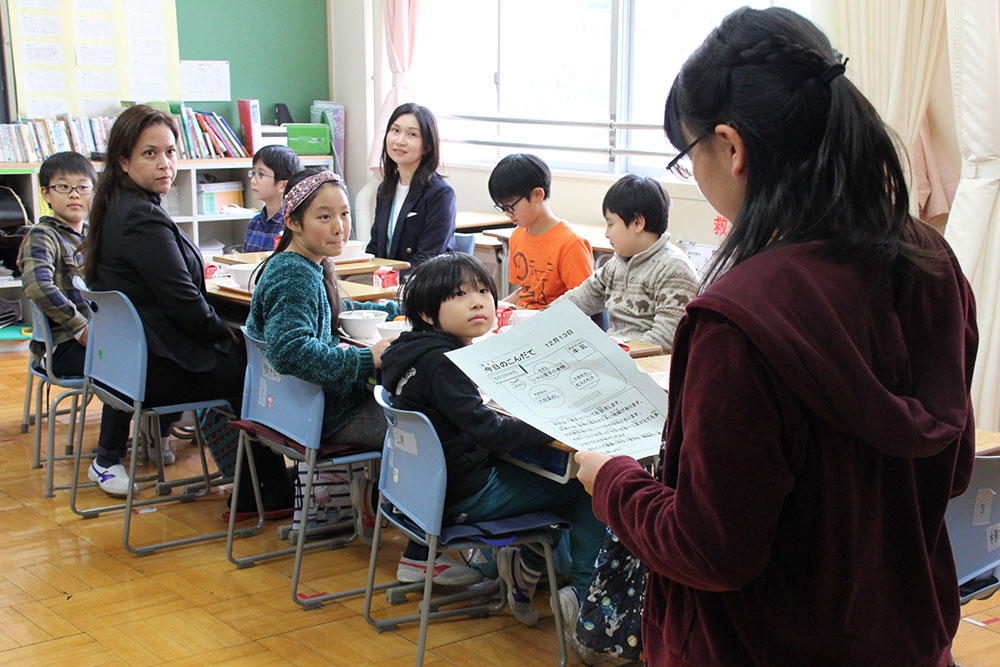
point(306, 187)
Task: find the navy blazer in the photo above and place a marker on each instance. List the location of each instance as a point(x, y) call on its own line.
point(143, 254)
point(425, 226)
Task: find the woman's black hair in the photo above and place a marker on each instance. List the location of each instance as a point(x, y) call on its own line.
point(433, 282)
point(295, 215)
point(430, 144)
point(125, 133)
point(820, 163)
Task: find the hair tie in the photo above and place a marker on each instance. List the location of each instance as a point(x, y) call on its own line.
point(304, 188)
point(833, 71)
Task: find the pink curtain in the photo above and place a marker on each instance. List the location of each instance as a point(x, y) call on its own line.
point(934, 179)
point(400, 36)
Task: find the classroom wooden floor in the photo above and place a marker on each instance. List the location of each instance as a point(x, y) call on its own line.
point(70, 594)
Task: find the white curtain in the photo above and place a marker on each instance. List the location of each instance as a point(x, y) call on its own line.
point(974, 223)
point(894, 48)
point(400, 35)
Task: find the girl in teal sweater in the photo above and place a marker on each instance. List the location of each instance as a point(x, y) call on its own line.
point(295, 309)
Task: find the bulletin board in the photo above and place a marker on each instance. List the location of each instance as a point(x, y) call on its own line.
point(84, 57)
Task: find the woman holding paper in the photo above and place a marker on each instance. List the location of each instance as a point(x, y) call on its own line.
point(819, 416)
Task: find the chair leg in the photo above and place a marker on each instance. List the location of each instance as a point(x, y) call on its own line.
point(72, 424)
point(26, 416)
point(37, 436)
point(554, 600)
point(425, 604)
point(241, 449)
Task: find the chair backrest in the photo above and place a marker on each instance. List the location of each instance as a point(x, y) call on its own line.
point(974, 530)
point(116, 344)
point(414, 477)
point(465, 243)
point(289, 405)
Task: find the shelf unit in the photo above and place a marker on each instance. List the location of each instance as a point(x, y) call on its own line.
point(182, 201)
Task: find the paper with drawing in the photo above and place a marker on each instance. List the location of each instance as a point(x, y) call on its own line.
point(563, 375)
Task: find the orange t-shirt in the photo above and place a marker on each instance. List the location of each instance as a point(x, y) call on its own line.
point(546, 266)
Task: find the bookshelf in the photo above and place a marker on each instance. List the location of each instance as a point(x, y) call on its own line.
point(182, 201)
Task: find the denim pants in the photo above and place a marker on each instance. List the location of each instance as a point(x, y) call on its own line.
point(511, 490)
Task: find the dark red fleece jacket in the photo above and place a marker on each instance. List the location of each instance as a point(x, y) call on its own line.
point(817, 429)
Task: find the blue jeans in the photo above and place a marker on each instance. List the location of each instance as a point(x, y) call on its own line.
point(511, 490)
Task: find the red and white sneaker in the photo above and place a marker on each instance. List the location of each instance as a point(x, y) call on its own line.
point(447, 572)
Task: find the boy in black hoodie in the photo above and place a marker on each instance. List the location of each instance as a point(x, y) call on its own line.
point(450, 300)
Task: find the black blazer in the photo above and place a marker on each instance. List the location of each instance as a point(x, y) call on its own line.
point(145, 255)
point(425, 227)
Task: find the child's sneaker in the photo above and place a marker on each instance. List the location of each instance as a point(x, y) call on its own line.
point(569, 606)
point(447, 572)
point(521, 583)
point(162, 451)
point(113, 480)
point(364, 509)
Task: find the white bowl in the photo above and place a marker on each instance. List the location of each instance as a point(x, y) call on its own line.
point(241, 274)
point(352, 249)
point(394, 328)
point(361, 324)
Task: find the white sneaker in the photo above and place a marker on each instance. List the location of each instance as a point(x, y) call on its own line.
point(447, 572)
point(113, 480)
point(519, 591)
point(569, 607)
point(168, 455)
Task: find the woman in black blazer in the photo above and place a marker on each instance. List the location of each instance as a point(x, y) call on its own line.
point(134, 247)
point(414, 202)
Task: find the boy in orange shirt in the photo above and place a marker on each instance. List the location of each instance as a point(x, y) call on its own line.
point(547, 258)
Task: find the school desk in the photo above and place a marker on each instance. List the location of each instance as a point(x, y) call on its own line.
point(348, 290)
point(344, 268)
point(473, 222)
point(594, 234)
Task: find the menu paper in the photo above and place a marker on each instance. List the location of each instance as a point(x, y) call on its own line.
point(562, 374)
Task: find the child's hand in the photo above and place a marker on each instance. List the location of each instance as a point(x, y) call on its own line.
point(590, 464)
point(377, 350)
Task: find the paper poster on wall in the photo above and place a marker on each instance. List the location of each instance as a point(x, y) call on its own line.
point(44, 107)
point(114, 49)
point(205, 80)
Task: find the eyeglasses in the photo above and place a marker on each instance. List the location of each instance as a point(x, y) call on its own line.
point(680, 170)
point(66, 188)
point(254, 174)
point(508, 208)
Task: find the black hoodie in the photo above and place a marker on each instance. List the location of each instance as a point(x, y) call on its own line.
point(420, 378)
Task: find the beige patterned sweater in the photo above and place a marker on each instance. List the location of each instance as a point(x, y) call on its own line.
point(645, 295)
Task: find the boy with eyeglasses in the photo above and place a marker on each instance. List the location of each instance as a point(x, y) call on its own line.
point(547, 257)
point(272, 167)
point(49, 257)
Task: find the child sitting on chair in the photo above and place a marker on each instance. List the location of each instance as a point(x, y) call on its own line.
point(649, 281)
point(451, 300)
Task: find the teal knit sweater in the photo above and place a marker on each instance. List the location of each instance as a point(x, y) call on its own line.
point(290, 311)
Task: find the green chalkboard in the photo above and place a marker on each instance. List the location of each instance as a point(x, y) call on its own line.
point(277, 51)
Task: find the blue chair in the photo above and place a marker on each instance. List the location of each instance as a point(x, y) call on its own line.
point(972, 529)
point(72, 388)
point(115, 371)
point(465, 243)
point(285, 413)
point(412, 487)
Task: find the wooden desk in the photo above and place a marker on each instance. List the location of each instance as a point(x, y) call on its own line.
point(987, 443)
point(348, 290)
point(472, 222)
point(593, 233)
point(638, 349)
point(344, 268)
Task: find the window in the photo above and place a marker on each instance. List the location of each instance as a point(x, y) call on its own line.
point(575, 66)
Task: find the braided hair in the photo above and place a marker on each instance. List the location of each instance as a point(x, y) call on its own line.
point(821, 164)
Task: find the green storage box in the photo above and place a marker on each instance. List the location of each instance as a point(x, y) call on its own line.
point(308, 138)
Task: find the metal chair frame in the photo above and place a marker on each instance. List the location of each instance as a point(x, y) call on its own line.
point(969, 525)
point(115, 371)
point(411, 497)
point(294, 409)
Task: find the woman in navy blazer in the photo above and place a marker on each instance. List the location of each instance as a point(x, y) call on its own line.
point(134, 247)
point(413, 200)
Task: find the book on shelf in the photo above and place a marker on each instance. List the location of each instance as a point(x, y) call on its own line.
point(250, 124)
